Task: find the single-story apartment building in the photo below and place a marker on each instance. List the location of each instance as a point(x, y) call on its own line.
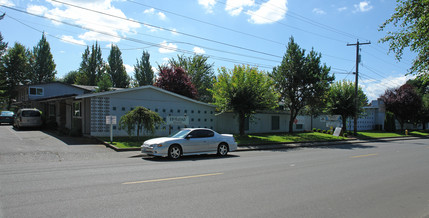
point(80, 109)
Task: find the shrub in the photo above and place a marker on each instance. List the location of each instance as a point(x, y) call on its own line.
point(319, 130)
point(329, 132)
point(345, 134)
point(324, 131)
point(314, 129)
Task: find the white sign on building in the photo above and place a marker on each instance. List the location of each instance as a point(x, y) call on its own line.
point(111, 120)
point(177, 120)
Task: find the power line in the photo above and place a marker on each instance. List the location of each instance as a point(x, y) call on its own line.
point(147, 43)
point(166, 29)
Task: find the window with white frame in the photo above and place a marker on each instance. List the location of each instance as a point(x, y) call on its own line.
point(36, 91)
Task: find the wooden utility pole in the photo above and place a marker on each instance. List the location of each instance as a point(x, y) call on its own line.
point(356, 83)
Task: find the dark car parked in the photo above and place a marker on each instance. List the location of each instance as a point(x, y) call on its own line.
point(7, 117)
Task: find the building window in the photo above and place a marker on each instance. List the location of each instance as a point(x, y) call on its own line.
point(77, 109)
point(299, 126)
point(52, 110)
point(123, 108)
point(34, 91)
point(114, 108)
point(275, 122)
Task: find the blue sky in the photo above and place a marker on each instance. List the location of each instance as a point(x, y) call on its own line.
point(230, 32)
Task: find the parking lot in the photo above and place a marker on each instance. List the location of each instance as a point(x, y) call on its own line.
point(34, 145)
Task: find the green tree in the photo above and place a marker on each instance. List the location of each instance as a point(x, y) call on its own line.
point(244, 90)
point(116, 68)
point(15, 71)
point(70, 77)
point(104, 83)
point(200, 71)
point(341, 100)
point(44, 65)
point(92, 66)
point(300, 80)
point(143, 71)
point(142, 119)
point(411, 22)
point(3, 45)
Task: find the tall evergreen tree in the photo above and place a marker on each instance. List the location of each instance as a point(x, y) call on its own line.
point(44, 65)
point(92, 66)
point(143, 72)
point(3, 45)
point(200, 71)
point(116, 69)
point(15, 70)
point(300, 79)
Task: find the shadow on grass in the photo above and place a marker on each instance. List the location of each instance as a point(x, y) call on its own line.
point(188, 158)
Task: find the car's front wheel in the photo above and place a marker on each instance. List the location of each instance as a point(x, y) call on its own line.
point(174, 152)
point(222, 149)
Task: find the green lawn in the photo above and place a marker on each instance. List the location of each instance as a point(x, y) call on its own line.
point(126, 142)
point(132, 142)
point(284, 137)
point(382, 134)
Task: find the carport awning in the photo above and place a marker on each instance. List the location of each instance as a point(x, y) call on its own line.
point(56, 98)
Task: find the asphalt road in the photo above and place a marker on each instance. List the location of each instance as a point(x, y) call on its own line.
point(379, 179)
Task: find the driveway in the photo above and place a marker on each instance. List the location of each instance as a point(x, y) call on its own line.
point(32, 145)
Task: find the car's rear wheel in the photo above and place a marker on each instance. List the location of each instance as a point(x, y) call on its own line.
point(174, 152)
point(222, 149)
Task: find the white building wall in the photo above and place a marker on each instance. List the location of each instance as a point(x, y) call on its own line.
point(200, 115)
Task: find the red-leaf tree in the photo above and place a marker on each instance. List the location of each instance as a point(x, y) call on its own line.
point(175, 79)
point(404, 102)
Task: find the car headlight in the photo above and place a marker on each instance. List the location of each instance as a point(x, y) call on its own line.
point(155, 145)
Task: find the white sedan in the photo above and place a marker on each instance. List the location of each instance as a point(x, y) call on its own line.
point(190, 141)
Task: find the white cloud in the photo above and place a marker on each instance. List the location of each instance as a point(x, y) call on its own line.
point(8, 3)
point(151, 28)
point(174, 31)
point(319, 11)
point(234, 7)
point(342, 9)
point(166, 47)
point(198, 50)
point(375, 88)
point(129, 69)
point(363, 6)
point(161, 16)
point(71, 40)
point(90, 20)
point(149, 11)
point(208, 5)
point(269, 12)
point(37, 9)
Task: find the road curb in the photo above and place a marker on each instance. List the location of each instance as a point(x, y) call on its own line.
point(287, 145)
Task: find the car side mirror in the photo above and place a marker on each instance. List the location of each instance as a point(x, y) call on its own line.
point(188, 137)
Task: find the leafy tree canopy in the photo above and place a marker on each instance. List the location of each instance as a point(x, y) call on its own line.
point(341, 100)
point(175, 79)
point(44, 65)
point(92, 66)
point(404, 102)
point(412, 25)
point(116, 68)
point(200, 71)
point(244, 90)
point(143, 71)
point(142, 119)
point(301, 79)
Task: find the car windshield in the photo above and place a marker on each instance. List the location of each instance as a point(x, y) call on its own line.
point(181, 134)
point(6, 113)
point(31, 113)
